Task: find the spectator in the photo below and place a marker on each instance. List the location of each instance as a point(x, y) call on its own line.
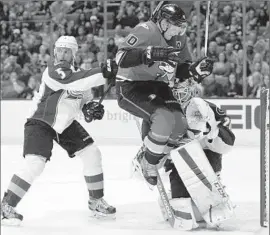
point(58, 7)
point(87, 63)
point(43, 57)
point(31, 89)
point(11, 65)
point(81, 38)
point(36, 45)
point(5, 33)
point(4, 53)
point(266, 81)
point(111, 48)
point(34, 64)
point(222, 66)
point(99, 61)
point(93, 27)
point(23, 56)
point(71, 28)
point(16, 37)
point(82, 19)
point(4, 12)
point(12, 88)
point(235, 89)
point(95, 12)
point(45, 35)
point(231, 55)
point(226, 16)
point(28, 38)
point(25, 74)
point(263, 17)
point(118, 37)
point(130, 20)
point(99, 39)
point(91, 44)
point(254, 85)
point(212, 51)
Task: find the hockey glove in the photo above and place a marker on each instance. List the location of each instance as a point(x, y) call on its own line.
point(166, 54)
point(201, 69)
point(109, 71)
point(93, 111)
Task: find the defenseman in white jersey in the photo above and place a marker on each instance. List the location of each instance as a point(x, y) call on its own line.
point(64, 92)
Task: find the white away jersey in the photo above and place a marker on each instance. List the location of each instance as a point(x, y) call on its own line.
point(63, 92)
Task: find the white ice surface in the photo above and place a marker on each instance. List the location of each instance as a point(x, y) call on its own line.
point(56, 204)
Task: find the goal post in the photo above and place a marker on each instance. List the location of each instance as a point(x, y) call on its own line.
point(264, 148)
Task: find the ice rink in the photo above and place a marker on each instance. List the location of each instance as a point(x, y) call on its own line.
point(57, 202)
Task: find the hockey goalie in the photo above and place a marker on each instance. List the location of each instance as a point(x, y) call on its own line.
point(196, 193)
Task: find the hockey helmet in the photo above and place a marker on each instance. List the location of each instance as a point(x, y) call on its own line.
point(67, 42)
point(173, 14)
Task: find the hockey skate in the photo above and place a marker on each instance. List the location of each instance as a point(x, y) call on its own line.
point(9, 215)
point(136, 167)
point(101, 209)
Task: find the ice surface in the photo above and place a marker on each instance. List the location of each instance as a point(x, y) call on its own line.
point(57, 202)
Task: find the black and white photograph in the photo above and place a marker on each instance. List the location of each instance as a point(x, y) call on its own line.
point(135, 117)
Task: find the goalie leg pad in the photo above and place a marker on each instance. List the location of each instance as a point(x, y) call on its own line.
point(202, 183)
point(183, 212)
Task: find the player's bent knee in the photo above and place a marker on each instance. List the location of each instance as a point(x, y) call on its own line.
point(163, 118)
point(34, 166)
point(181, 125)
point(91, 158)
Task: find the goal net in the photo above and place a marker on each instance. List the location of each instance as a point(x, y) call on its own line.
point(264, 103)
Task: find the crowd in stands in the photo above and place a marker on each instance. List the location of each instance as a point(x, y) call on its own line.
point(29, 29)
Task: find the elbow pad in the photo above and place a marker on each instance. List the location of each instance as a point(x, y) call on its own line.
point(129, 57)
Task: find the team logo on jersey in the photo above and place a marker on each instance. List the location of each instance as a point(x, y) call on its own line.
point(167, 69)
point(178, 44)
point(74, 95)
point(132, 40)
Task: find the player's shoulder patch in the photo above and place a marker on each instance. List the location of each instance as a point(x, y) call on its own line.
point(132, 40)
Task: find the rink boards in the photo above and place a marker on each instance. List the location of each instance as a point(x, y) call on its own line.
point(119, 127)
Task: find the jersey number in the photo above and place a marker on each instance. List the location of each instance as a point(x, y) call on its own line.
point(132, 40)
point(61, 73)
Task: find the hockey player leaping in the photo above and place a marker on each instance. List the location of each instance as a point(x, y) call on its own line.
point(146, 66)
point(211, 126)
point(64, 92)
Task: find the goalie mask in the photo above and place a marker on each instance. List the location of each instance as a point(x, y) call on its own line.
point(65, 49)
point(175, 24)
point(186, 90)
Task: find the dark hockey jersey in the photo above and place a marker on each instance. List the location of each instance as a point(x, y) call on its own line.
point(62, 93)
point(144, 35)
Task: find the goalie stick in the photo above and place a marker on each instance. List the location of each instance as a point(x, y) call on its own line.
point(161, 190)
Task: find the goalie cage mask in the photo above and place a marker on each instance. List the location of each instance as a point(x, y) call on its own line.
point(186, 90)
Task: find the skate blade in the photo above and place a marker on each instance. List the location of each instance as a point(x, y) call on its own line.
point(102, 216)
point(11, 222)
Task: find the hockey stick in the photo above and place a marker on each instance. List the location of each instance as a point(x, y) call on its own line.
point(161, 189)
point(105, 93)
point(154, 13)
point(207, 27)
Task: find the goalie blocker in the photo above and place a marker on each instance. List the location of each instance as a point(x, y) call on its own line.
point(202, 184)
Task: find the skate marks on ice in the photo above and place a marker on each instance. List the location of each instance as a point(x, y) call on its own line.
point(143, 218)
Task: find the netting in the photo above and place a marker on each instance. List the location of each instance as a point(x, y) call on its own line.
point(265, 158)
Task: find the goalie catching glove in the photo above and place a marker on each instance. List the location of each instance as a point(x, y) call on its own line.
point(201, 69)
point(93, 111)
